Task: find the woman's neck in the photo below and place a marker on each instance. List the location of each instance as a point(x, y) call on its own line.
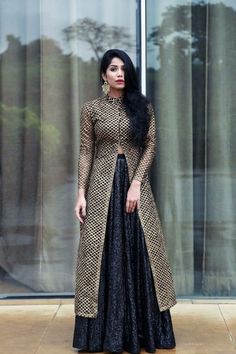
point(116, 93)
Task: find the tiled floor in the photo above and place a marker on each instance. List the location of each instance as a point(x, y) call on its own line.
point(47, 329)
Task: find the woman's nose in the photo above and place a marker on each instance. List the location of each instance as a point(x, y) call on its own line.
point(120, 72)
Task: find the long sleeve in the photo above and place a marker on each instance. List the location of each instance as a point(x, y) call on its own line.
point(87, 144)
point(148, 154)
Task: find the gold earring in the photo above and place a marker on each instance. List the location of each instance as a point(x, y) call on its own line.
point(106, 87)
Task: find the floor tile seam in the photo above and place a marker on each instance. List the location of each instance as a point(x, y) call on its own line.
point(231, 336)
point(46, 328)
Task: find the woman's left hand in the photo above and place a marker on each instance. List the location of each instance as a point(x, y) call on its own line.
point(133, 196)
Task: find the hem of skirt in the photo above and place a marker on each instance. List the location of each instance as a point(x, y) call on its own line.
point(128, 350)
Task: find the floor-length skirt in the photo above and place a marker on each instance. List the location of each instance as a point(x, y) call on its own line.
point(128, 314)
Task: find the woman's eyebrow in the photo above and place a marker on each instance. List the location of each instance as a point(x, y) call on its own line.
point(116, 65)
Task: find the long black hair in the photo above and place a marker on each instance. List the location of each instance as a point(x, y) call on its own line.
point(136, 104)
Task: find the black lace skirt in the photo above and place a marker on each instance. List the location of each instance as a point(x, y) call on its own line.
point(128, 314)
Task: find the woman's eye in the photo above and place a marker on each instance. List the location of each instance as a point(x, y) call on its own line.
point(115, 69)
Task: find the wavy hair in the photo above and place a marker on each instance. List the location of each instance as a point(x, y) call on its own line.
point(136, 104)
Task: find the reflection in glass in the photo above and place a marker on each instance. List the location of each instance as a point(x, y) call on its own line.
point(49, 57)
point(190, 76)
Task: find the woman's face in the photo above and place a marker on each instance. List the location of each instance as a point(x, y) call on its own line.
point(115, 75)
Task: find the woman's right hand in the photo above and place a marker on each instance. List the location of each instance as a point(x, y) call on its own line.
point(80, 208)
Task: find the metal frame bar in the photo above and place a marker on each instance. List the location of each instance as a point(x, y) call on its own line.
point(143, 45)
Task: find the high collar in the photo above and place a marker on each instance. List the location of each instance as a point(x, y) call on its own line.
point(115, 100)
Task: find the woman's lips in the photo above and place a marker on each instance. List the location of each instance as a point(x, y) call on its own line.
point(120, 81)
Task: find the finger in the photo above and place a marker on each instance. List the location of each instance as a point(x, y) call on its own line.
point(130, 207)
point(77, 213)
point(138, 204)
point(134, 206)
point(81, 220)
point(83, 211)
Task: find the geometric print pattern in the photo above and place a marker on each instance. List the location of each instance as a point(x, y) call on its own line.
point(104, 126)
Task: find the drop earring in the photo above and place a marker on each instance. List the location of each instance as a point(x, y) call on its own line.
point(106, 87)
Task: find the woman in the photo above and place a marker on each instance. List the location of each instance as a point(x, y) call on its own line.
point(124, 287)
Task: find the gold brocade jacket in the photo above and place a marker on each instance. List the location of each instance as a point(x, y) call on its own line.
point(103, 126)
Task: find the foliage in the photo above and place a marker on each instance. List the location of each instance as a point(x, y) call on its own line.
point(14, 120)
point(99, 36)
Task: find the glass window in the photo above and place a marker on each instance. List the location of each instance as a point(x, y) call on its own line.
point(49, 60)
point(191, 79)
